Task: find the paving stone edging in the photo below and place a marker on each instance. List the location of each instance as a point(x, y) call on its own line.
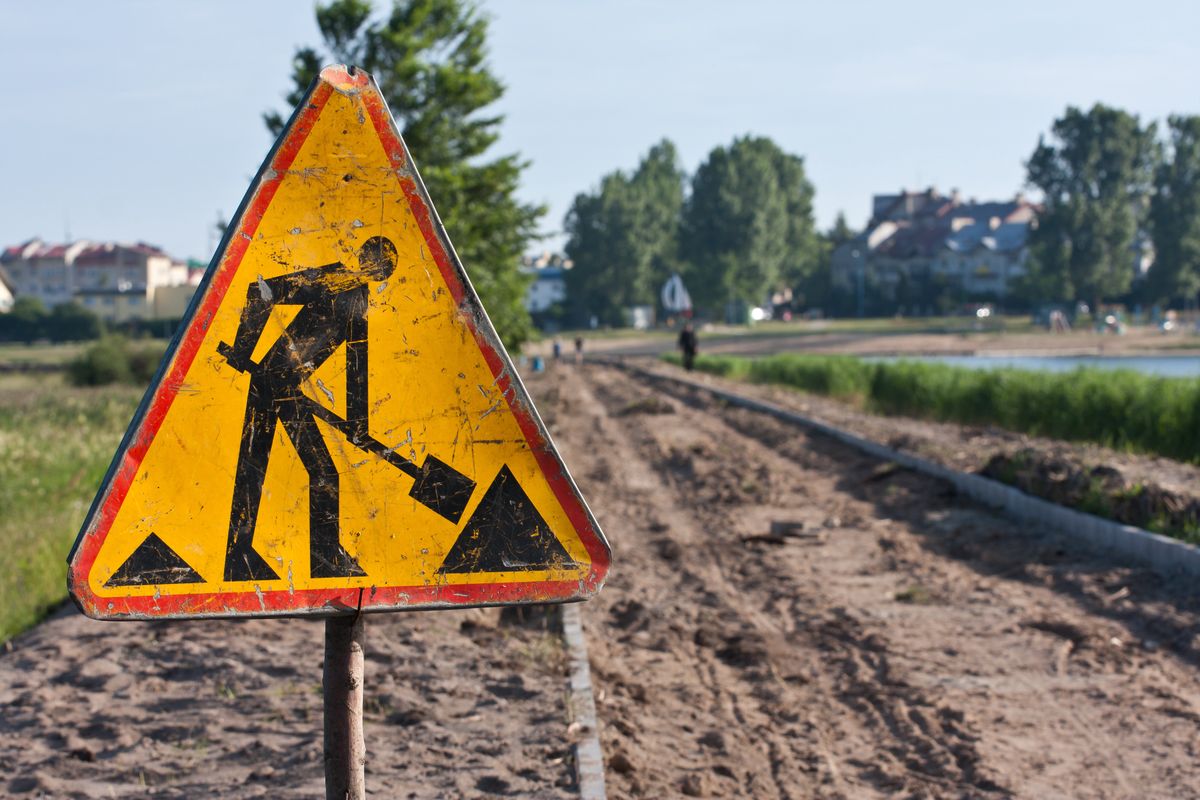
point(589, 758)
point(1162, 553)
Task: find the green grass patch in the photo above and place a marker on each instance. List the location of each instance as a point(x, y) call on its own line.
point(57, 442)
point(916, 595)
point(1122, 409)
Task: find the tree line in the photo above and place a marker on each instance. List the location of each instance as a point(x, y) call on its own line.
point(29, 321)
point(740, 227)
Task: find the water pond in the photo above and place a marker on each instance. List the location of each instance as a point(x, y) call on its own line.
point(1164, 366)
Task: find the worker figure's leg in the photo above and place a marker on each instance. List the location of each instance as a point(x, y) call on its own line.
point(328, 558)
point(242, 562)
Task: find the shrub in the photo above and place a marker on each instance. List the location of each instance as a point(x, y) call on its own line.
point(71, 322)
point(24, 322)
point(143, 363)
point(113, 360)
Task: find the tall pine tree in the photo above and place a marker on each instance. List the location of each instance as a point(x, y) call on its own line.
point(429, 58)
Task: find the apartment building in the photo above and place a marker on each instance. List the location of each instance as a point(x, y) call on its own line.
point(978, 247)
point(117, 281)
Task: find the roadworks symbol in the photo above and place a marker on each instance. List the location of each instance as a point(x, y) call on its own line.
point(337, 424)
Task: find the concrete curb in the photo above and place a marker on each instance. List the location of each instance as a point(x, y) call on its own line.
point(1163, 554)
point(589, 758)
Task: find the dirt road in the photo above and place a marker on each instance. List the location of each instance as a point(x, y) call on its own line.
point(787, 618)
point(457, 705)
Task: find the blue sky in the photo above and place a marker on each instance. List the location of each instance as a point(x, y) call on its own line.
point(141, 120)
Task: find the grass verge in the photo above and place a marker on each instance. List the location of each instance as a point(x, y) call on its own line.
point(57, 442)
point(1121, 409)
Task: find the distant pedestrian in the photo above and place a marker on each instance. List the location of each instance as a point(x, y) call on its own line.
point(687, 344)
point(578, 349)
point(557, 349)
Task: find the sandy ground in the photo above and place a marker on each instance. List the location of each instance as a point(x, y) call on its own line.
point(787, 618)
point(457, 705)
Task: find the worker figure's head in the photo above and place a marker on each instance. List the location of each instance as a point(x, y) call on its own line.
point(377, 258)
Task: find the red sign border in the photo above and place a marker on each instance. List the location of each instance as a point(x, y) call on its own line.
point(158, 399)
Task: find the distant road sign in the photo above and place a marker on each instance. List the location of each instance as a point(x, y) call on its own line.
point(675, 296)
point(338, 425)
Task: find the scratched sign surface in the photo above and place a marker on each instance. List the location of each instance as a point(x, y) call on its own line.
point(338, 425)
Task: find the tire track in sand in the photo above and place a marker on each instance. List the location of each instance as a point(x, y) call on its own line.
point(733, 478)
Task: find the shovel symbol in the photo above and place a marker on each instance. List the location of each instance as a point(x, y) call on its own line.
point(436, 485)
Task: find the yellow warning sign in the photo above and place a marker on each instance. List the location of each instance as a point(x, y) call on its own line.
point(337, 426)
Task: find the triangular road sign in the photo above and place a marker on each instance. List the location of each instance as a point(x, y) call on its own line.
point(336, 425)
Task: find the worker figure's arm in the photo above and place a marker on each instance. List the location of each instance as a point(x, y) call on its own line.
point(296, 288)
point(255, 314)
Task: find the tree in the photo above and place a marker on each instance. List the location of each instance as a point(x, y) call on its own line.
point(747, 225)
point(803, 242)
point(658, 189)
point(429, 59)
point(840, 232)
point(603, 276)
point(1095, 175)
point(24, 322)
point(71, 322)
point(1175, 216)
point(622, 237)
point(816, 288)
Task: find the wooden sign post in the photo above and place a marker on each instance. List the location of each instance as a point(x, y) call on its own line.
point(342, 682)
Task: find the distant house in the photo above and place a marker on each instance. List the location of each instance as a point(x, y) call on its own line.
point(977, 248)
point(116, 281)
point(7, 294)
point(547, 292)
point(548, 288)
point(41, 270)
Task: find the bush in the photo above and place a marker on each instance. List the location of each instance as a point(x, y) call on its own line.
point(1119, 408)
point(71, 322)
point(24, 322)
point(143, 362)
point(114, 360)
